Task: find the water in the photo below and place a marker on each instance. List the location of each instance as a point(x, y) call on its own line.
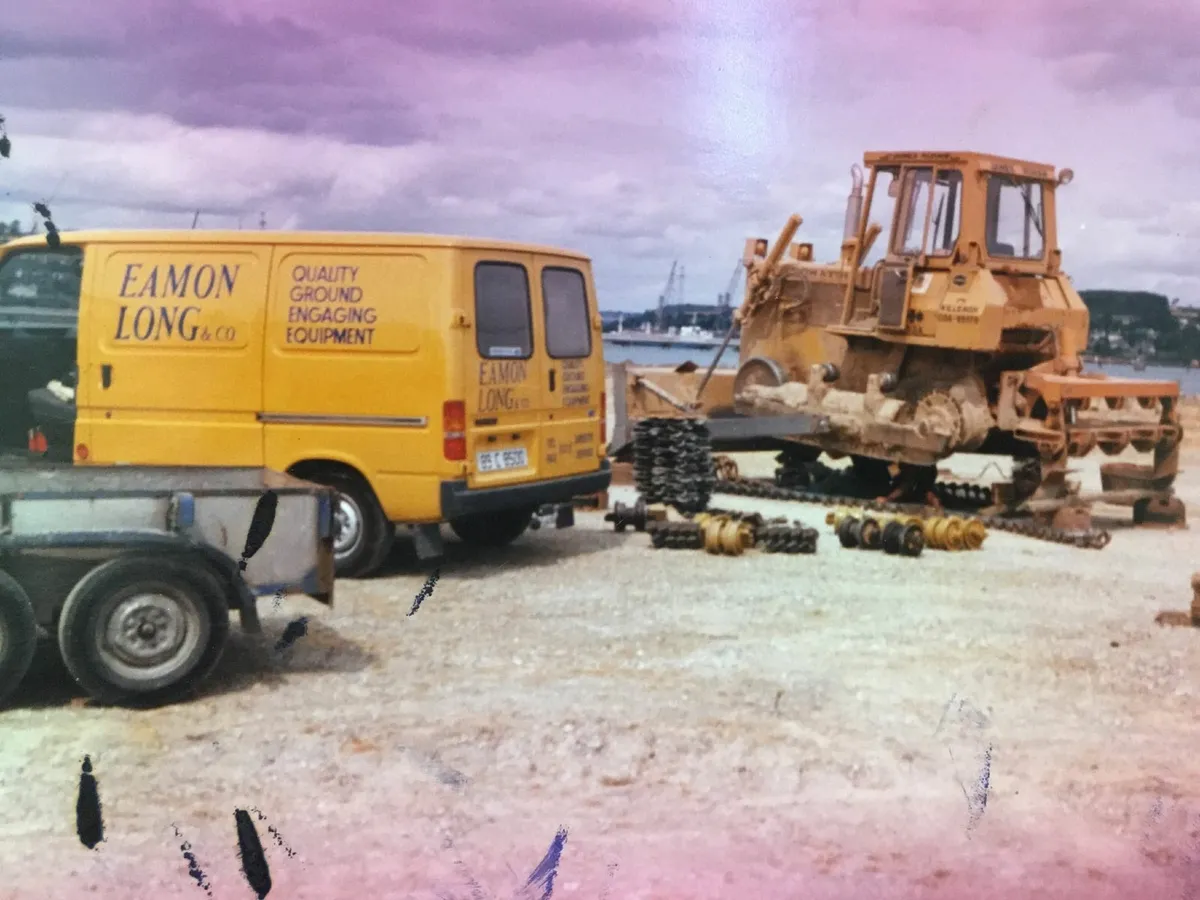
point(1189, 379)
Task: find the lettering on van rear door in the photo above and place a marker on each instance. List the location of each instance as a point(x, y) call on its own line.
point(499, 384)
point(177, 298)
point(342, 301)
point(575, 388)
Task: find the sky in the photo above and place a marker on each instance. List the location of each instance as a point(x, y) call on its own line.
point(637, 132)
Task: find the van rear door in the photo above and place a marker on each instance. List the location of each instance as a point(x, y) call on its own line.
point(571, 392)
point(504, 371)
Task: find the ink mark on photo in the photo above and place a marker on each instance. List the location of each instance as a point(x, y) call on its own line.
point(194, 870)
point(612, 874)
point(426, 590)
point(53, 239)
point(89, 823)
point(277, 599)
point(540, 885)
point(295, 630)
point(261, 524)
point(254, 861)
point(274, 832)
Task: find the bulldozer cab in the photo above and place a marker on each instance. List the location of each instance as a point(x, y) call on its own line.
point(925, 213)
point(950, 212)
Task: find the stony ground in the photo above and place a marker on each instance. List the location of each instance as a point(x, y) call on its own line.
point(703, 727)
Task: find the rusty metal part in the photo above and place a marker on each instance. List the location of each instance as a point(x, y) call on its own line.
point(1094, 539)
point(624, 516)
point(675, 535)
point(723, 535)
point(781, 537)
point(673, 463)
point(725, 467)
point(1159, 511)
point(868, 533)
point(944, 533)
point(903, 538)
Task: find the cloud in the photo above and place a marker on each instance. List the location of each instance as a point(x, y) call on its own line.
point(638, 132)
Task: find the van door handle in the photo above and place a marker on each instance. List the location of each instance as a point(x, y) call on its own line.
point(551, 379)
point(106, 375)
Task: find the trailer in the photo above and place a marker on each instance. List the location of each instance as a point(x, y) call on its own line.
point(134, 571)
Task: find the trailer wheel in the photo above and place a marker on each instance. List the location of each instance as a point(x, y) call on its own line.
point(141, 630)
point(18, 634)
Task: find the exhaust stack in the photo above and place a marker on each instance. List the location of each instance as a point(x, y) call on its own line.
point(854, 205)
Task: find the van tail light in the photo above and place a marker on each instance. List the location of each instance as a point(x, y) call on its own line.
point(603, 418)
point(454, 430)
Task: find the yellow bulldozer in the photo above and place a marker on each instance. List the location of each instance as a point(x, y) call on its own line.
point(955, 331)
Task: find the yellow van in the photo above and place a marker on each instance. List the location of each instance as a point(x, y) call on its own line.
point(427, 379)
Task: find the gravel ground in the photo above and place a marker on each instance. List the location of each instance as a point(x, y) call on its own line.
point(704, 727)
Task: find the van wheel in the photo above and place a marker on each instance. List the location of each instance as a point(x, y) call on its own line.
point(18, 634)
point(362, 534)
point(498, 529)
point(143, 630)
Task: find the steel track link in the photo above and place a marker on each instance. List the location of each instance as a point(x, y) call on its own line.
point(1091, 539)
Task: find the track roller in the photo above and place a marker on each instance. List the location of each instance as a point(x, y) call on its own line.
point(903, 538)
point(624, 516)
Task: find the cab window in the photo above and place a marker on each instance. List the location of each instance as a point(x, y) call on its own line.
point(568, 331)
point(1014, 218)
point(42, 280)
point(503, 317)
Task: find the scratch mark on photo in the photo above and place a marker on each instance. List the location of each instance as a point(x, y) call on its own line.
point(426, 590)
point(194, 870)
point(977, 797)
point(89, 823)
point(295, 630)
point(254, 861)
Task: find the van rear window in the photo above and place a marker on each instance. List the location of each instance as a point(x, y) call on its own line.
point(503, 320)
point(45, 280)
point(568, 331)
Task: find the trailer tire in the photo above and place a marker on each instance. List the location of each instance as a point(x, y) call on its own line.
point(18, 634)
point(178, 596)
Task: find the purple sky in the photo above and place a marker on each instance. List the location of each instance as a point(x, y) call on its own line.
point(638, 132)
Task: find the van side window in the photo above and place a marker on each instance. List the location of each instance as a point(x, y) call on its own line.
point(568, 331)
point(45, 280)
point(503, 317)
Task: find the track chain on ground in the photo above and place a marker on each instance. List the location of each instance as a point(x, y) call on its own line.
point(669, 467)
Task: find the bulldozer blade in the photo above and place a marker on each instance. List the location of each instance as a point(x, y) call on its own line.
point(1160, 510)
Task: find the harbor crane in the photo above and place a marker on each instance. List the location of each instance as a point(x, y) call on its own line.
point(725, 300)
point(668, 296)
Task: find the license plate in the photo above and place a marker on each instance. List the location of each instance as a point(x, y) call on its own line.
point(501, 460)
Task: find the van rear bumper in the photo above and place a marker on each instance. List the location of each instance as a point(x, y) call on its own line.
point(459, 500)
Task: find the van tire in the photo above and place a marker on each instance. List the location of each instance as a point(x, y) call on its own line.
point(376, 533)
point(498, 529)
point(18, 634)
point(186, 592)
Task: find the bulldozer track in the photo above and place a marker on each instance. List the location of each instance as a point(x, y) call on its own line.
point(1091, 539)
point(673, 464)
